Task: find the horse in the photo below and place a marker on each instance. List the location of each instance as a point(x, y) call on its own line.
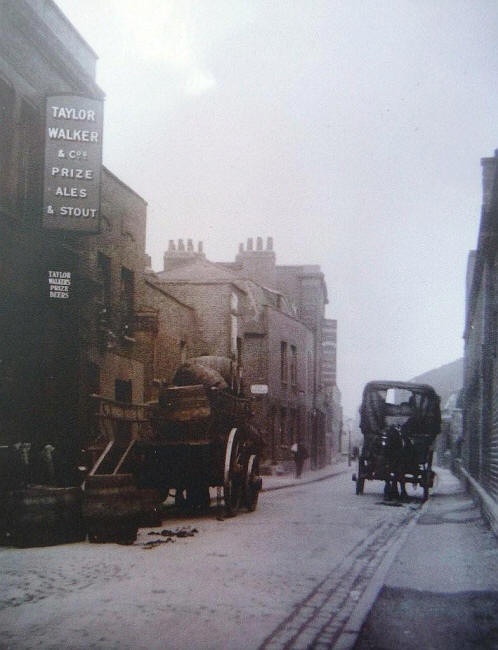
point(396, 457)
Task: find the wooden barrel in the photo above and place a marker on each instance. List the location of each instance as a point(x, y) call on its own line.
point(114, 508)
point(42, 516)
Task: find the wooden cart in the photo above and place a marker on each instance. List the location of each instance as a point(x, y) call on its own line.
point(191, 439)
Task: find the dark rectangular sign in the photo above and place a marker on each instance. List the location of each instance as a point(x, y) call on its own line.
point(73, 163)
point(59, 284)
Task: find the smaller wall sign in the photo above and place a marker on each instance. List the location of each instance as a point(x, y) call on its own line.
point(59, 285)
point(259, 389)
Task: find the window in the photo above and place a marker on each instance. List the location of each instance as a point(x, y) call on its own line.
point(127, 299)
point(93, 378)
point(239, 352)
point(7, 97)
point(30, 165)
point(104, 276)
point(309, 372)
point(293, 365)
point(183, 352)
point(293, 425)
point(122, 390)
point(283, 426)
point(283, 362)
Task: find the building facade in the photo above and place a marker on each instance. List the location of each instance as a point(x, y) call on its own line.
point(70, 313)
point(480, 395)
point(271, 320)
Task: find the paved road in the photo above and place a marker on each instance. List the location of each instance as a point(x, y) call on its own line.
point(284, 576)
point(441, 591)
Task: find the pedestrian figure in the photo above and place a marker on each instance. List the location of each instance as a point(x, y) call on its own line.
point(47, 465)
point(300, 454)
point(22, 464)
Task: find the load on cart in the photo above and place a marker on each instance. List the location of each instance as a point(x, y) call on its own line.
point(197, 435)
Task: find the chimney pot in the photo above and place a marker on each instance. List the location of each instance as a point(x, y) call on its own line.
point(250, 244)
point(241, 248)
point(259, 243)
point(190, 245)
point(181, 245)
point(200, 247)
point(171, 245)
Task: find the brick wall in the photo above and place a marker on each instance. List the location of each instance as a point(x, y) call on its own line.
point(212, 304)
point(178, 336)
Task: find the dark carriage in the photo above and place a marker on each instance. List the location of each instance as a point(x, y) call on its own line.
point(195, 436)
point(399, 422)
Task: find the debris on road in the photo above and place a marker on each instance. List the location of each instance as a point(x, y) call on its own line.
point(169, 535)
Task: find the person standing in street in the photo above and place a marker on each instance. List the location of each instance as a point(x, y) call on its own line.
point(300, 454)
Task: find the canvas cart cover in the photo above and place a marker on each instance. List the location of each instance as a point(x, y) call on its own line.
point(425, 407)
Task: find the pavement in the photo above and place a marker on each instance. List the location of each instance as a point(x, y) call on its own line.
point(437, 586)
point(277, 482)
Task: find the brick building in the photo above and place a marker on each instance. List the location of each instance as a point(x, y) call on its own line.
point(176, 334)
point(480, 396)
point(53, 353)
point(270, 319)
point(305, 290)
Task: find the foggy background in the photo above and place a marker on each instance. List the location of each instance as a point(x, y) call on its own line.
point(351, 132)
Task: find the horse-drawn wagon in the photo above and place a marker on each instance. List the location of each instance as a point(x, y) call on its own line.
point(197, 435)
point(399, 422)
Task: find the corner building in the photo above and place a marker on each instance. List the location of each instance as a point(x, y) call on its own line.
point(54, 353)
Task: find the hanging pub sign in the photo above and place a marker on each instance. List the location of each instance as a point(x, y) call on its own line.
point(59, 284)
point(73, 162)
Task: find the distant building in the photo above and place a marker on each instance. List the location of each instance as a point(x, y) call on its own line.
point(480, 397)
point(271, 320)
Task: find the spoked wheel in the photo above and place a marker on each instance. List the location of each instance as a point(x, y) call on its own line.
point(252, 483)
point(232, 483)
point(360, 478)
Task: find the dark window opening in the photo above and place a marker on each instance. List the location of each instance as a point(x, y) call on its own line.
point(183, 351)
point(239, 352)
point(122, 390)
point(127, 300)
point(30, 165)
point(293, 365)
point(104, 277)
point(7, 97)
point(283, 426)
point(283, 362)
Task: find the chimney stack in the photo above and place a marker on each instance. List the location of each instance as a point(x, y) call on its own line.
point(258, 264)
point(180, 254)
point(489, 167)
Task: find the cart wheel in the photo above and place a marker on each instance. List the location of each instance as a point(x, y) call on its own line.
point(360, 479)
point(232, 484)
point(252, 483)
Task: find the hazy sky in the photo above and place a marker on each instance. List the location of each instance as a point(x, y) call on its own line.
point(351, 132)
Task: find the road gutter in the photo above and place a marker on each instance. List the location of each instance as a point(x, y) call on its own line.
point(351, 631)
point(303, 481)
